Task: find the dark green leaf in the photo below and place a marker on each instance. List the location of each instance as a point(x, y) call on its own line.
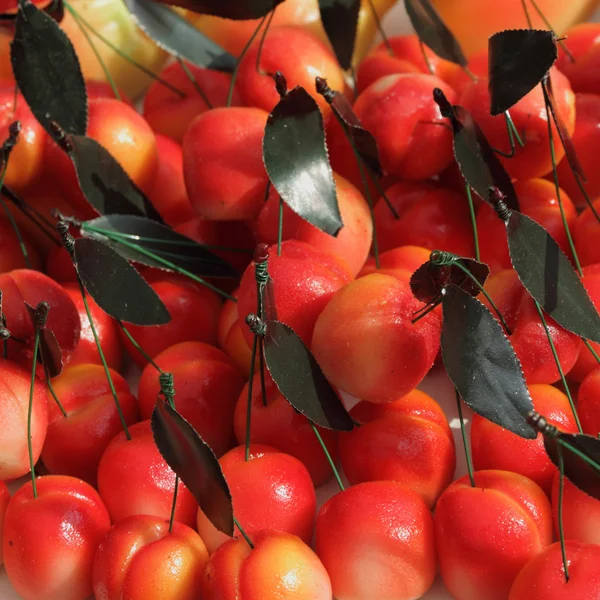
point(47, 71)
point(228, 9)
point(50, 354)
point(179, 37)
point(104, 183)
point(194, 462)
point(518, 61)
point(340, 21)
point(300, 379)
point(429, 279)
point(550, 278)
point(116, 286)
point(482, 364)
point(160, 240)
point(432, 31)
point(297, 162)
point(578, 471)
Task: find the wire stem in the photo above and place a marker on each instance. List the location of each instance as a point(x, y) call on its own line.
point(336, 473)
point(13, 223)
point(52, 392)
point(249, 405)
point(591, 349)
point(36, 345)
point(194, 82)
point(244, 534)
point(561, 530)
point(473, 221)
point(137, 346)
point(464, 438)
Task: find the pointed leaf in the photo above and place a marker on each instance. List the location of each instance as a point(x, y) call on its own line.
point(518, 61)
point(228, 9)
point(550, 278)
point(297, 162)
point(300, 379)
point(150, 236)
point(50, 353)
point(195, 464)
point(104, 183)
point(433, 32)
point(47, 71)
point(116, 286)
point(179, 37)
point(482, 364)
point(340, 21)
point(577, 470)
point(427, 282)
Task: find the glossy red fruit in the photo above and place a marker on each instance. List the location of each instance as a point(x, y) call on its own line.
point(543, 577)
point(588, 403)
point(231, 337)
point(376, 541)
point(270, 491)
point(223, 167)
point(141, 558)
point(193, 308)
point(408, 441)
point(278, 425)
point(75, 443)
point(583, 44)
point(133, 479)
point(585, 234)
point(4, 500)
point(486, 534)
point(50, 541)
point(11, 254)
point(207, 386)
point(399, 262)
point(23, 285)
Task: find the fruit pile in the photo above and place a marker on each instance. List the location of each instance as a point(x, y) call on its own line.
point(236, 237)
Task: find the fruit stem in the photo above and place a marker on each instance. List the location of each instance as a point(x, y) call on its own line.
point(166, 263)
point(51, 390)
point(513, 133)
point(336, 473)
point(379, 26)
point(584, 193)
point(591, 349)
point(426, 58)
point(590, 461)
point(262, 43)
point(464, 438)
point(485, 293)
point(122, 54)
point(549, 117)
point(249, 405)
point(174, 504)
point(558, 365)
point(549, 26)
point(103, 66)
point(473, 221)
point(194, 82)
point(239, 60)
point(280, 227)
point(244, 534)
point(137, 346)
point(561, 531)
point(431, 307)
point(527, 16)
point(261, 314)
point(36, 345)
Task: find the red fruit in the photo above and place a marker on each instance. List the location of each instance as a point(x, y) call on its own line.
point(59, 265)
point(588, 403)
point(382, 356)
point(529, 338)
point(27, 157)
point(11, 255)
point(133, 479)
point(4, 500)
point(75, 443)
point(531, 121)
point(231, 337)
point(278, 425)
point(583, 44)
point(585, 234)
point(107, 330)
point(304, 280)
point(585, 139)
point(486, 534)
point(23, 285)
point(169, 114)
point(496, 448)
point(399, 262)
point(207, 385)
point(428, 216)
point(408, 441)
point(15, 383)
point(50, 541)
point(166, 190)
point(352, 243)
point(376, 541)
point(280, 567)
point(299, 55)
point(103, 89)
point(141, 558)
point(543, 577)
point(270, 491)
point(222, 163)
point(538, 200)
point(399, 111)
point(193, 309)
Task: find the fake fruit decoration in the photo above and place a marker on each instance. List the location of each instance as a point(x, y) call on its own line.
point(219, 297)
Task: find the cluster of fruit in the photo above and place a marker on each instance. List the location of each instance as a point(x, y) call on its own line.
point(103, 512)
